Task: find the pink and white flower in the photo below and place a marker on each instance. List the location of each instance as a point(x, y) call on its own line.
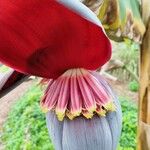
point(77, 92)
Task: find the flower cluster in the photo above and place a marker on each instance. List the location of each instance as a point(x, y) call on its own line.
point(77, 92)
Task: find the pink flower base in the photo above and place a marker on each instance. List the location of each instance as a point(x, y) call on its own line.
point(77, 92)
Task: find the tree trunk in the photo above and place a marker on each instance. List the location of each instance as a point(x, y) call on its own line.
point(144, 94)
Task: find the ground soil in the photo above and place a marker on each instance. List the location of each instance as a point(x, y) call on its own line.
point(122, 90)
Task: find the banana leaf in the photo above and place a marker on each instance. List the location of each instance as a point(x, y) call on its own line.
point(120, 18)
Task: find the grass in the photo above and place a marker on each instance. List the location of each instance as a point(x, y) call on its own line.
point(26, 127)
point(128, 137)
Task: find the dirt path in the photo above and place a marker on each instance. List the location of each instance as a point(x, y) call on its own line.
point(122, 90)
point(7, 101)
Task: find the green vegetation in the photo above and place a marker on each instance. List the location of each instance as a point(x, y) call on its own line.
point(133, 86)
point(26, 128)
point(4, 69)
point(128, 53)
point(128, 137)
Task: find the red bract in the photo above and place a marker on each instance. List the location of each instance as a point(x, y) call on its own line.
point(46, 38)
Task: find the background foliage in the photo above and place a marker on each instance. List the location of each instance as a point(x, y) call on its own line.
point(3, 68)
point(128, 53)
point(128, 137)
point(25, 128)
